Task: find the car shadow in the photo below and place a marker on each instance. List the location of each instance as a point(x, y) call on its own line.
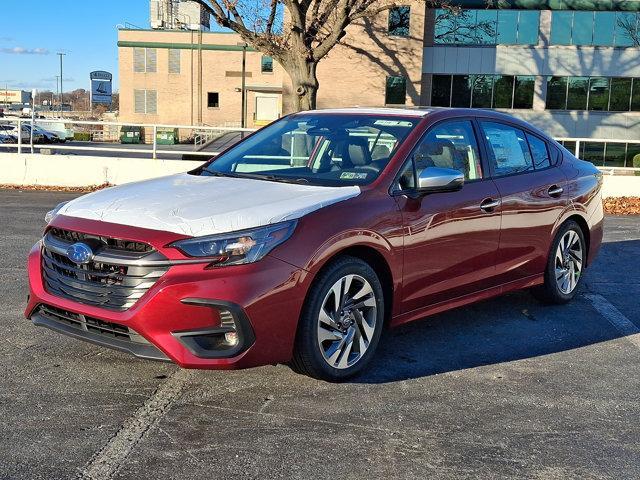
point(507, 328)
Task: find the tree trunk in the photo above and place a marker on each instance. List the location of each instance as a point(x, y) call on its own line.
point(305, 84)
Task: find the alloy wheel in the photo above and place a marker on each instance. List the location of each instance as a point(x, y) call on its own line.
point(347, 321)
point(568, 262)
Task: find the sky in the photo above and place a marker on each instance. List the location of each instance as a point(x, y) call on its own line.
point(33, 31)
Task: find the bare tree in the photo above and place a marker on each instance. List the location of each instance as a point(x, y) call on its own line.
point(628, 25)
point(312, 28)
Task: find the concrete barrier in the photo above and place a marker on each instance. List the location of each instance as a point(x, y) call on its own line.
point(83, 171)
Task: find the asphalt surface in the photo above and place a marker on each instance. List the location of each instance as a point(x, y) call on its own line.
point(507, 388)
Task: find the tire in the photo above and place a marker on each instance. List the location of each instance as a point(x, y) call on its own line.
point(565, 266)
point(334, 347)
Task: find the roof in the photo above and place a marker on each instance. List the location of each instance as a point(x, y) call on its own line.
point(404, 112)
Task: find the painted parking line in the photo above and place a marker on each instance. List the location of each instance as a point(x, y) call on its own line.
point(108, 460)
point(624, 326)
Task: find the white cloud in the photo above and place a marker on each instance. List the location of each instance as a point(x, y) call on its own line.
point(25, 51)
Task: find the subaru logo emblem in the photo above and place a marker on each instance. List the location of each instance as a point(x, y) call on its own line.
point(80, 253)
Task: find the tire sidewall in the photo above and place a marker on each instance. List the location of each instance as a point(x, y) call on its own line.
point(550, 277)
point(317, 293)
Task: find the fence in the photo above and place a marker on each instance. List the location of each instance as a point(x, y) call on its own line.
point(597, 150)
point(106, 134)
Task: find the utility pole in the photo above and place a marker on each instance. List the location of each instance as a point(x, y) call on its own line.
point(60, 54)
point(243, 107)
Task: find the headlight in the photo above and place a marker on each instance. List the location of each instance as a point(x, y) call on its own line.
point(52, 213)
point(234, 248)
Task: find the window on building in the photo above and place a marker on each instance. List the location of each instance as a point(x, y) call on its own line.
point(523, 92)
point(441, 91)
point(620, 100)
point(528, 27)
point(582, 29)
point(396, 91)
point(633, 149)
point(577, 92)
point(144, 60)
point(174, 60)
point(604, 28)
point(614, 154)
point(482, 91)
point(461, 88)
point(594, 28)
point(508, 27)
point(539, 152)
point(557, 93)
point(486, 27)
point(450, 145)
point(626, 31)
point(213, 100)
point(399, 21)
point(599, 94)
point(593, 152)
point(145, 101)
point(635, 95)
point(503, 91)
point(266, 64)
point(508, 149)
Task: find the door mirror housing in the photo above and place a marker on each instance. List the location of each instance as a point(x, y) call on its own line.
point(436, 180)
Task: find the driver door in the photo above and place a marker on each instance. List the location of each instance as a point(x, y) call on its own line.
point(450, 239)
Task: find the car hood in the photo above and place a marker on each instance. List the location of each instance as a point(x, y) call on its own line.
point(200, 205)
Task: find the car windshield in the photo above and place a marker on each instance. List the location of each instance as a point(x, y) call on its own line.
point(317, 149)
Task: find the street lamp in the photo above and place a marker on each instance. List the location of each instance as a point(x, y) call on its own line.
point(243, 109)
point(60, 54)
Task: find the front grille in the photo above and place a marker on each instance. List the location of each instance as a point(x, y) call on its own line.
point(113, 243)
point(114, 279)
point(90, 324)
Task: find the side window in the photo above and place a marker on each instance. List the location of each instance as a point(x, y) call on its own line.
point(450, 144)
point(508, 149)
point(539, 151)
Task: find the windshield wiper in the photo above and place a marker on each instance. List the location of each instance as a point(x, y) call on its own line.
point(257, 176)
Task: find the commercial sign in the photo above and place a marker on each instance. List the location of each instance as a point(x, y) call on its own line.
point(101, 87)
point(14, 96)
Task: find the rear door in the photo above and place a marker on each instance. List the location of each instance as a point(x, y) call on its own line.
point(450, 239)
point(532, 190)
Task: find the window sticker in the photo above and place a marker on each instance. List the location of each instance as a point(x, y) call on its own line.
point(353, 176)
point(392, 123)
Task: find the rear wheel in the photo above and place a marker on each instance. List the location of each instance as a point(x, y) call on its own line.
point(341, 322)
point(565, 265)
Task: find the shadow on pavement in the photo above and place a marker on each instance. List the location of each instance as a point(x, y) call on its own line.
point(507, 328)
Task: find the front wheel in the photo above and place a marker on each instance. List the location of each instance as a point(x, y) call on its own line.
point(341, 322)
point(565, 265)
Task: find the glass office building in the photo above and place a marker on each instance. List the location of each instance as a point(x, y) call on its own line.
point(573, 72)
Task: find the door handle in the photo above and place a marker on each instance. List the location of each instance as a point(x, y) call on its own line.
point(555, 191)
point(489, 204)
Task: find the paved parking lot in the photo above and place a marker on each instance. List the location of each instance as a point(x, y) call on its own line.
point(504, 389)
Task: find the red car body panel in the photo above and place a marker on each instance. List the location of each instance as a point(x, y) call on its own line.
point(435, 252)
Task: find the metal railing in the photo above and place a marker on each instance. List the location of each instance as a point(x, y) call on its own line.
point(211, 131)
point(104, 132)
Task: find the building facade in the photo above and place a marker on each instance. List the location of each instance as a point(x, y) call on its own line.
point(570, 67)
point(572, 72)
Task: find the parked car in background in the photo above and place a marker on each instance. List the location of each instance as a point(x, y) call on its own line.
point(4, 138)
point(45, 135)
point(60, 128)
point(12, 130)
point(300, 243)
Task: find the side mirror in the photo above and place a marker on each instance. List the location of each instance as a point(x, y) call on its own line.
point(436, 179)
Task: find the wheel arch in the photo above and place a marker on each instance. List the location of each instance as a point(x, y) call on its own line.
point(376, 260)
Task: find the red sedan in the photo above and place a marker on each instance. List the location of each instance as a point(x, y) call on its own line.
point(302, 242)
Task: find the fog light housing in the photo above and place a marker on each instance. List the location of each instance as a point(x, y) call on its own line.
point(232, 336)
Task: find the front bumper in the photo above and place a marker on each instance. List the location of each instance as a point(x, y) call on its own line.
point(187, 306)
